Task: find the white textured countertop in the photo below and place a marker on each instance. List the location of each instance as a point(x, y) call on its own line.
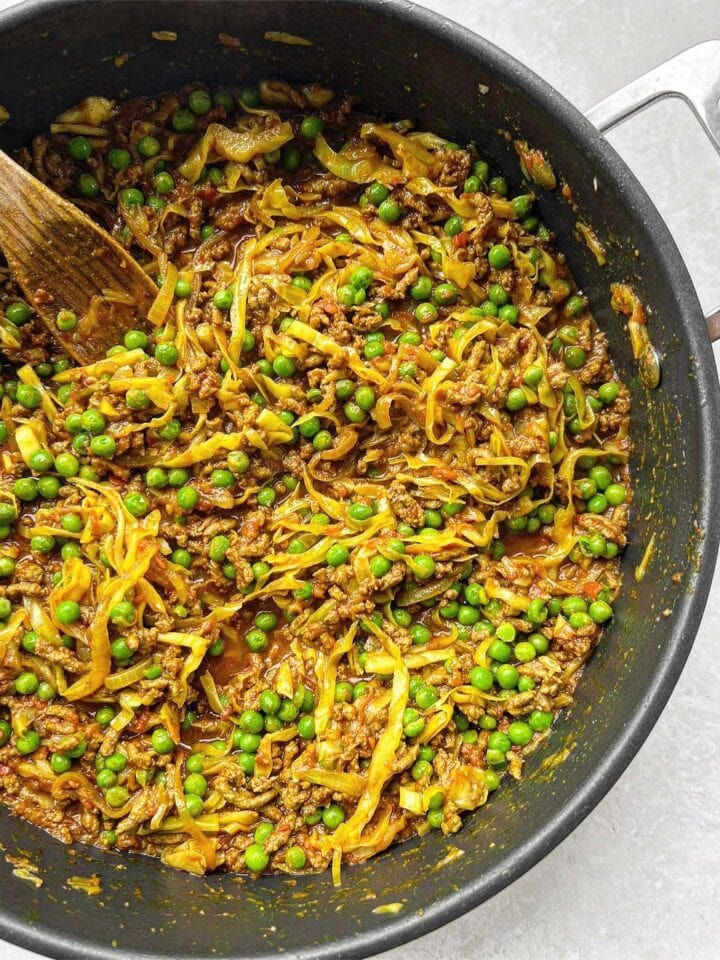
point(639, 879)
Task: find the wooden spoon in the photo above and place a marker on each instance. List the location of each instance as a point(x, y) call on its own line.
point(64, 261)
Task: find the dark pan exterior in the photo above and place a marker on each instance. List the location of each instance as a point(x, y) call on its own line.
point(404, 61)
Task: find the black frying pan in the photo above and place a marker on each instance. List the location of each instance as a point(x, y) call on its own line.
point(404, 61)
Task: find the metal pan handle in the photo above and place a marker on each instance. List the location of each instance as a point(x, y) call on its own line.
point(694, 76)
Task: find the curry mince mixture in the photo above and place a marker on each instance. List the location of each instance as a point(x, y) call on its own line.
point(305, 564)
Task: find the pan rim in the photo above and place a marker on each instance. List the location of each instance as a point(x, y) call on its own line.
point(647, 709)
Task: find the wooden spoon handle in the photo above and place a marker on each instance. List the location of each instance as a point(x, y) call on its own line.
point(62, 259)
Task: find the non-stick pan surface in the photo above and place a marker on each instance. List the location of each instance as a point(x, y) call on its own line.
point(403, 61)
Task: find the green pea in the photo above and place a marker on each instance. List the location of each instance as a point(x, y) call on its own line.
point(291, 158)
point(161, 740)
point(199, 102)
point(295, 857)
point(171, 431)
point(183, 289)
point(120, 649)
point(421, 769)
point(426, 697)
point(60, 763)
point(361, 278)
point(269, 702)
point(42, 544)
point(187, 498)
point(246, 761)
point(516, 399)
point(256, 640)
point(413, 728)
point(426, 313)
point(522, 206)
point(119, 159)
point(537, 611)
point(196, 784)
point(540, 720)
point(380, 566)
point(249, 97)
point(182, 557)
point(136, 504)
point(183, 120)
point(26, 683)
point(497, 295)
point(344, 389)
point(332, 816)
point(467, 615)
point(403, 618)
point(78, 750)
point(122, 614)
point(616, 494)
point(390, 211)
point(575, 357)
point(266, 497)
point(599, 611)
point(41, 461)
point(79, 148)
point(103, 446)
point(507, 676)
point(67, 612)
point(498, 185)
point(420, 634)
point(420, 290)
point(481, 678)
point(450, 610)
point(524, 651)
point(574, 306)
point(499, 256)
point(117, 796)
point(598, 503)
point(435, 819)
point(539, 642)
point(27, 743)
point(372, 350)
point(166, 354)
point(454, 225)
point(376, 193)
point(67, 465)
point(306, 727)
point(311, 127)
point(28, 396)
point(163, 183)
point(88, 186)
point(423, 567)
point(104, 715)
point(193, 805)
point(5, 732)
point(608, 392)
point(288, 711)
point(337, 555)
point(132, 197)
point(365, 398)
point(445, 294)
point(148, 147)
point(256, 859)
point(500, 742)
point(520, 733)
point(343, 692)
point(500, 651)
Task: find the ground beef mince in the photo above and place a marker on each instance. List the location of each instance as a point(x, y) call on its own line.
point(315, 555)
